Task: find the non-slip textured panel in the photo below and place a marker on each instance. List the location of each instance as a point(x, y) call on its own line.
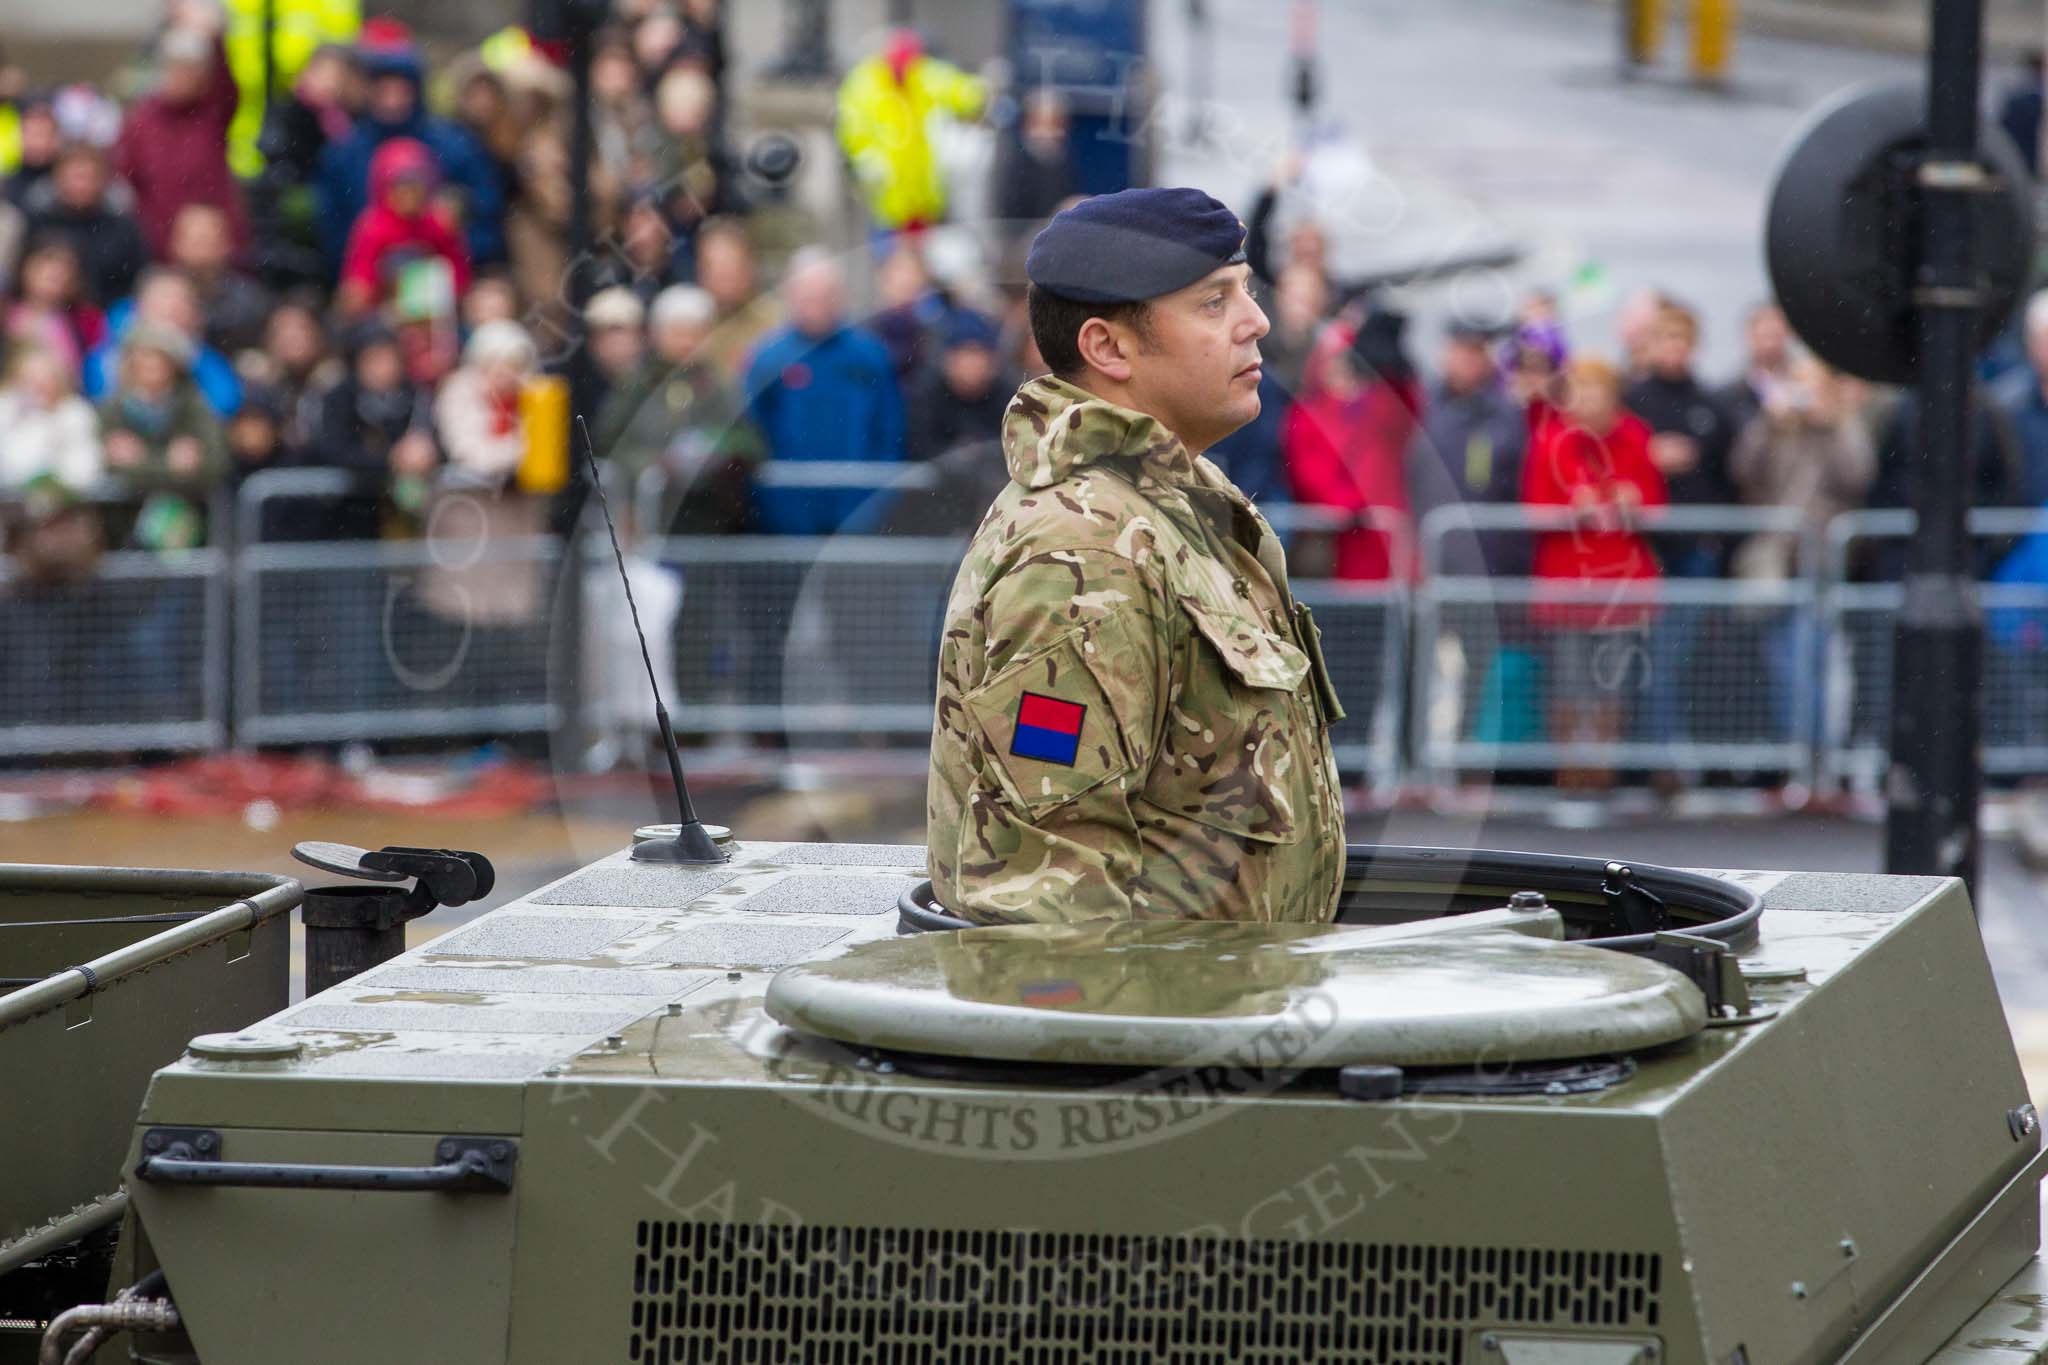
point(650, 886)
point(544, 937)
point(1849, 896)
point(905, 856)
point(853, 895)
point(725, 944)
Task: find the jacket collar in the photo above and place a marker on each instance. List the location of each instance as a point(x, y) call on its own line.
point(1053, 428)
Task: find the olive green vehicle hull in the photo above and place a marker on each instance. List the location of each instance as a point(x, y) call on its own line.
point(1851, 1177)
point(104, 973)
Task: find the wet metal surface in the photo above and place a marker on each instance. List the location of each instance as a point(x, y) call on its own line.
point(542, 937)
point(454, 1019)
point(2012, 1329)
point(530, 979)
point(637, 885)
point(741, 945)
point(546, 982)
point(908, 857)
point(828, 896)
point(1163, 994)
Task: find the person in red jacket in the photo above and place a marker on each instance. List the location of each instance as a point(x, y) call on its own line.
point(1346, 442)
point(1593, 457)
point(400, 229)
point(173, 145)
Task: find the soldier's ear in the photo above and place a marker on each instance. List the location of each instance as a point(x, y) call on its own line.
point(1104, 349)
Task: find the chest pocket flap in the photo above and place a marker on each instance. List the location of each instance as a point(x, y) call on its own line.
point(1256, 655)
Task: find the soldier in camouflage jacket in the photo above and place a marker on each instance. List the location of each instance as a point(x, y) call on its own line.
point(1132, 712)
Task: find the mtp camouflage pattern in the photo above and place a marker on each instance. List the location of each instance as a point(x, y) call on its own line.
point(1133, 591)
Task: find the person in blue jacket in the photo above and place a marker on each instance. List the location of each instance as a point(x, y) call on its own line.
point(821, 388)
point(393, 68)
point(165, 297)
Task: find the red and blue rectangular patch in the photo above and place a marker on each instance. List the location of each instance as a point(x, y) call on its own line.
point(1046, 994)
point(1048, 729)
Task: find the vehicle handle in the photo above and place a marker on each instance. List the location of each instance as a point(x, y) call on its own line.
point(192, 1156)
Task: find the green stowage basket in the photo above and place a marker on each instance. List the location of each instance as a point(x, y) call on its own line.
point(105, 973)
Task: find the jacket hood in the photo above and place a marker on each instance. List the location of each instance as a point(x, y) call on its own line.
point(396, 157)
point(395, 58)
point(1053, 429)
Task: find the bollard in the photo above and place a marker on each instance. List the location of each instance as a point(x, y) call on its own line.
point(1713, 39)
point(1642, 30)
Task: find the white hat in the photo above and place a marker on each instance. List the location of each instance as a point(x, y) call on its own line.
point(617, 306)
point(500, 339)
point(683, 304)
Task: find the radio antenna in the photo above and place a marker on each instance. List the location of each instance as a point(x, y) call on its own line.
point(693, 843)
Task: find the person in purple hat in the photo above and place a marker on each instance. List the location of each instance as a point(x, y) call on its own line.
point(1533, 366)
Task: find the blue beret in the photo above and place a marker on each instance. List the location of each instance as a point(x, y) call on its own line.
point(1134, 245)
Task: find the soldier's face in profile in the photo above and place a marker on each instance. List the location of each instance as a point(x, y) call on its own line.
point(1197, 369)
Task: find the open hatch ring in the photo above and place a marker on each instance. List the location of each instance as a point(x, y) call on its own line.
point(1625, 905)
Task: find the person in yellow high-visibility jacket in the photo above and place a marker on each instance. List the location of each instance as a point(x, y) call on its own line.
point(886, 105)
point(298, 28)
point(12, 81)
point(10, 138)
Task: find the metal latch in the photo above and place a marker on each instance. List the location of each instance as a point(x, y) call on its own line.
point(1635, 909)
point(1712, 966)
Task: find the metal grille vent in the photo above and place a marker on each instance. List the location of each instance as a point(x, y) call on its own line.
point(716, 1292)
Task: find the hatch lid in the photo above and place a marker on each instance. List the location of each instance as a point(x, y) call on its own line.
point(1465, 990)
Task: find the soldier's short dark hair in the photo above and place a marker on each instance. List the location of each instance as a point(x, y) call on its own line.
point(1056, 323)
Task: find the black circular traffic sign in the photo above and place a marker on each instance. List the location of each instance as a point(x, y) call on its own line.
point(1842, 234)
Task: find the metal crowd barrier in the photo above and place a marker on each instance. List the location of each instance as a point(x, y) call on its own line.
point(133, 657)
point(1857, 622)
point(342, 640)
point(806, 635)
point(835, 638)
point(1679, 673)
point(1365, 642)
point(1365, 628)
point(650, 494)
point(267, 488)
point(827, 636)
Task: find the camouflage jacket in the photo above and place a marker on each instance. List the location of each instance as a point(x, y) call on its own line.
point(1133, 714)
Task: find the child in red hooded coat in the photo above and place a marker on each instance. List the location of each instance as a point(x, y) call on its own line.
point(401, 226)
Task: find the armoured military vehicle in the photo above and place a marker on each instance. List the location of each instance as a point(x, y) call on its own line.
point(1512, 1108)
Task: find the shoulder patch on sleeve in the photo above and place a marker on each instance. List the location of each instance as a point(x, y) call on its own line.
point(1049, 729)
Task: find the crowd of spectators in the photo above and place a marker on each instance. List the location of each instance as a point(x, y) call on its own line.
point(189, 295)
point(1515, 416)
point(375, 276)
